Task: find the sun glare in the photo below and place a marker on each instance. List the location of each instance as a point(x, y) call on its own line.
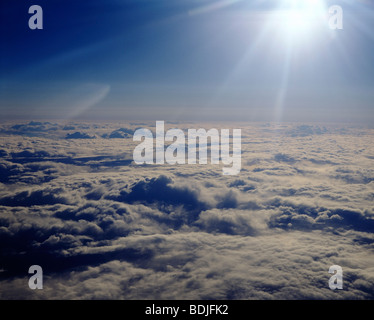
point(295, 22)
point(299, 19)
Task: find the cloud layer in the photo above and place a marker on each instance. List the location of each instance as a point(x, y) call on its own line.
point(102, 227)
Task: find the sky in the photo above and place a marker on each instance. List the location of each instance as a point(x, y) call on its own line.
point(187, 60)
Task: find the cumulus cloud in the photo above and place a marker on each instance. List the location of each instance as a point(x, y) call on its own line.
point(119, 133)
point(78, 135)
point(104, 228)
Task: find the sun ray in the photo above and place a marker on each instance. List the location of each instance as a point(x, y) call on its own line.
point(295, 22)
point(243, 62)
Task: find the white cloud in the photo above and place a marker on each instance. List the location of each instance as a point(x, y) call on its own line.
point(106, 228)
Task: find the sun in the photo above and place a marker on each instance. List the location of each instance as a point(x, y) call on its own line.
point(294, 22)
point(309, 5)
point(298, 19)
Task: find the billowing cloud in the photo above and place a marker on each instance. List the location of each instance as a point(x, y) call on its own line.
point(78, 135)
point(104, 228)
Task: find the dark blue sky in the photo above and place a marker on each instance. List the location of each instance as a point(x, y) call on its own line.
point(187, 60)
